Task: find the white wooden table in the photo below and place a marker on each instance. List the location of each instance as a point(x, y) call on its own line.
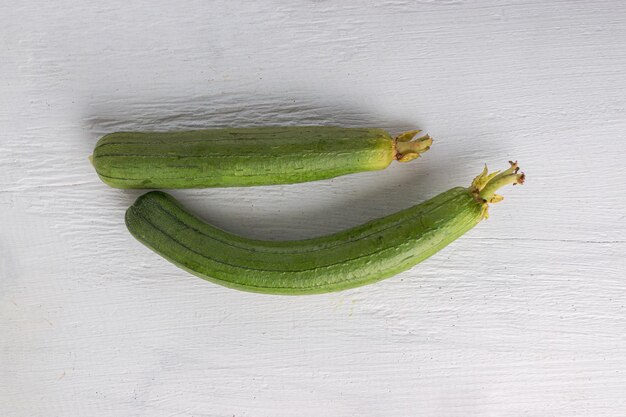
point(523, 316)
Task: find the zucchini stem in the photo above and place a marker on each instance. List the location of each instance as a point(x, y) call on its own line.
point(407, 147)
point(492, 186)
point(485, 185)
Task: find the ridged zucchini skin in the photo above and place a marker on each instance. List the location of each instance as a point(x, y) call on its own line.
point(361, 255)
point(239, 157)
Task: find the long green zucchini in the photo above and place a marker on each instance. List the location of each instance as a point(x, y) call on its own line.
point(247, 156)
point(358, 256)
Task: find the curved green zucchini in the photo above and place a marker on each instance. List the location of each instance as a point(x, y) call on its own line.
point(247, 156)
point(358, 256)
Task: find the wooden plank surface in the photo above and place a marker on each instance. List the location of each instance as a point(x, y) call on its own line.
point(523, 316)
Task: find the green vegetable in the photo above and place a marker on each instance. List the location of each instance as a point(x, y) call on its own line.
point(247, 156)
point(358, 256)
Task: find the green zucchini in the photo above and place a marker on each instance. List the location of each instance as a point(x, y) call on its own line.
point(247, 156)
point(358, 256)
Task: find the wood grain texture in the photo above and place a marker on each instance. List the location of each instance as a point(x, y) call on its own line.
point(524, 316)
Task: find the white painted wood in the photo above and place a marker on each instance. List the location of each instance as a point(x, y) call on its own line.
point(524, 316)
